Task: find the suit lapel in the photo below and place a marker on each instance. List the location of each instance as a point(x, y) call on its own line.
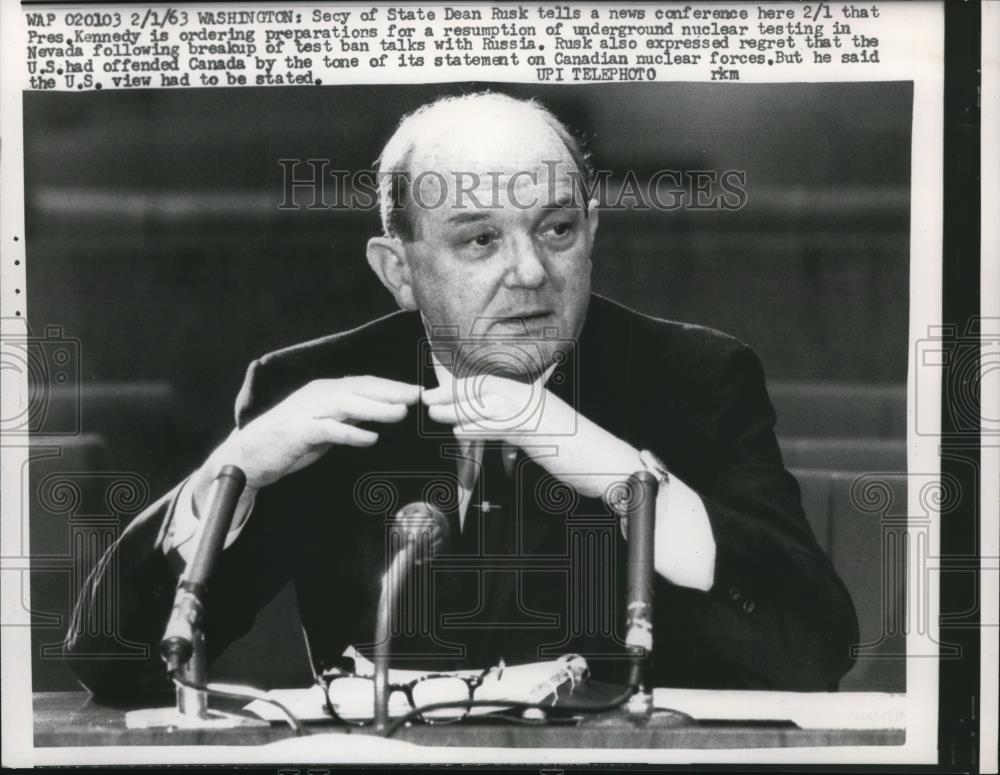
point(417, 455)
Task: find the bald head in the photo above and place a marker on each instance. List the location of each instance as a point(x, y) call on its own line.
point(462, 146)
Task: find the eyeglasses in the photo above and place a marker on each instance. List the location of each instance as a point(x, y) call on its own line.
point(351, 698)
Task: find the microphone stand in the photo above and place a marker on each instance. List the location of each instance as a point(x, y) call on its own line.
point(641, 507)
point(183, 644)
point(420, 529)
point(391, 584)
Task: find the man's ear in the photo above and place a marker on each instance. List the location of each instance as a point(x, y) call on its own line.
point(389, 261)
point(592, 218)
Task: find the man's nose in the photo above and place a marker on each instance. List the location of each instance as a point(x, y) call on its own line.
point(526, 265)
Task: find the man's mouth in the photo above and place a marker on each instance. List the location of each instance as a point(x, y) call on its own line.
point(526, 322)
point(527, 315)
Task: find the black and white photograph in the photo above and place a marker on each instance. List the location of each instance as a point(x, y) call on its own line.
point(389, 422)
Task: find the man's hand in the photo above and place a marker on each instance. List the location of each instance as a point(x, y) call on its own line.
point(588, 458)
point(301, 429)
point(494, 408)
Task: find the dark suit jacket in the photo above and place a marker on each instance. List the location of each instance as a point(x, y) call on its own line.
point(776, 617)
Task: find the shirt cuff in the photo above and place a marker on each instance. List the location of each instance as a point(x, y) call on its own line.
point(184, 524)
point(685, 545)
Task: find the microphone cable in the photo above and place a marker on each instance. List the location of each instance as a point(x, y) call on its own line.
point(612, 704)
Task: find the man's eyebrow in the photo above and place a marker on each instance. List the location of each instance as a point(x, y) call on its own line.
point(564, 202)
point(469, 217)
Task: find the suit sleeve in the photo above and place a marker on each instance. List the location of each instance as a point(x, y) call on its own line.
point(777, 616)
point(113, 640)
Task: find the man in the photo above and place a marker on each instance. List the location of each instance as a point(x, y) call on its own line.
point(513, 399)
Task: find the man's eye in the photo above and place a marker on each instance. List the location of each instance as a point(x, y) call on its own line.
point(560, 229)
point(483, 240)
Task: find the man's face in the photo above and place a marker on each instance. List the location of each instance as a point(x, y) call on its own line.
point(503, 263)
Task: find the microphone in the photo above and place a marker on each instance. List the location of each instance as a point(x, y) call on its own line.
point(639, 622)
point(421, 531)
point(419, 521)
point(177, 644)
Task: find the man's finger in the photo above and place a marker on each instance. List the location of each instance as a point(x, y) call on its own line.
point(323, 430)
point(438, 395)
point(444, 413)
point(340, 404)
point(358, 408)
point(388, 390)
point(465, 390)
point(460, 413)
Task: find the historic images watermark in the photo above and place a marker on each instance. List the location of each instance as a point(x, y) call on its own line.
point(315, 184)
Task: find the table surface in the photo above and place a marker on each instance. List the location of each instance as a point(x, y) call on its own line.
point(73, 719)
